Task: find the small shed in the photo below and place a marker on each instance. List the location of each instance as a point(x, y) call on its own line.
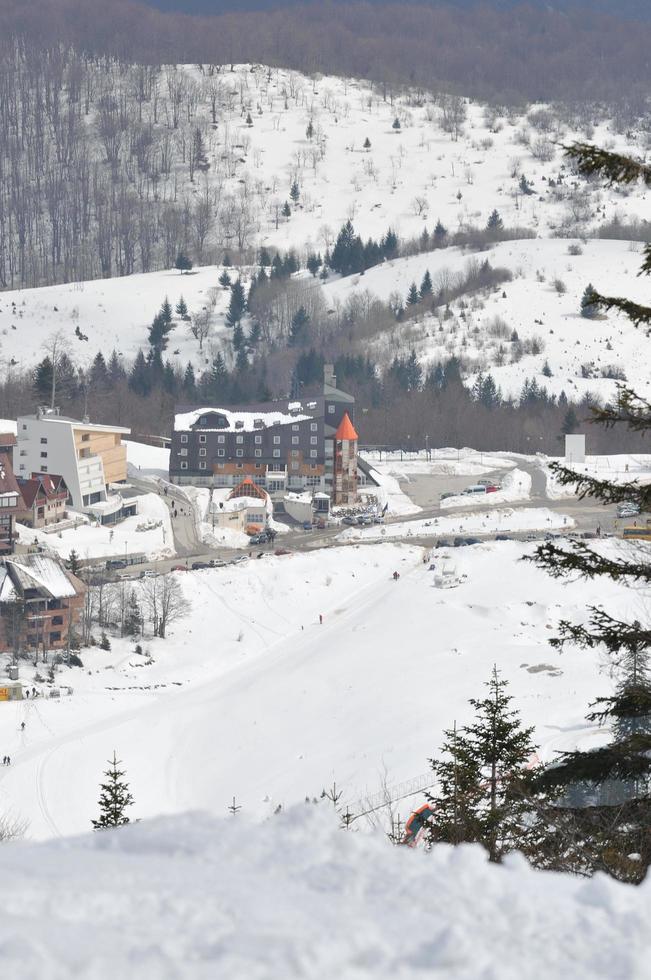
point(10, 690)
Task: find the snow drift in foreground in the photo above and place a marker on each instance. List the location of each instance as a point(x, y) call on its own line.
point(196, 897)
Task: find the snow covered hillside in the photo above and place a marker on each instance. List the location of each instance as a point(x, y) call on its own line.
point(253, 697)
point(336, 141)
point(200, 898)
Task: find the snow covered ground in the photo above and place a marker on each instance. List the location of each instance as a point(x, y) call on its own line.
point(622, 468)
point(252, 697)
point(147, 461)
point(200, 898)
point(149, 532)
point(484, 522)
point(515, 485)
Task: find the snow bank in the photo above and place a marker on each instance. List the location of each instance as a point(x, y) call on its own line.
point(525, 519)
point(147, 460)
point(516, 485)
point(619, 468)
point(200, 898)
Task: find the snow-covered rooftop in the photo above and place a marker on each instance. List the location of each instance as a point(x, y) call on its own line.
point(41, 571)
point(236, 421)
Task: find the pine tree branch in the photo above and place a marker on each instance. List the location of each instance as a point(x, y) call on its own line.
point(603, 490)
point(636, 313)
point(581, 560)
point(633, 411)
point(616, 168)
point(603, 629)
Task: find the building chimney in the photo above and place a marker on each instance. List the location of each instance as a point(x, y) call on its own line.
point(329, 376)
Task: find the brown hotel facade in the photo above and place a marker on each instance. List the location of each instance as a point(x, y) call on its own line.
point(284, 445)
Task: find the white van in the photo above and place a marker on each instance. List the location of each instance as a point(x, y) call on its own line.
point(475, 488)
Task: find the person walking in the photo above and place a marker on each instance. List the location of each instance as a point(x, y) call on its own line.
point(320, 620)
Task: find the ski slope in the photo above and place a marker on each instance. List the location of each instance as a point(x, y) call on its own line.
point(252, 697)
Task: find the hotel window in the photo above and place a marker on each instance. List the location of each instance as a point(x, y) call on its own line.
point(239, 465)
point(331, 409)
point(43, 441)
point(313, 453)
point(183, 452)
point(202, 438)
point(202, 452)
point(276, 453)
point(294, 440)
point(221, 439)
point(258, 452)
point(294, 466)
point(202, 466)
point(258, 440)
point(276, 440)
point(184, 438)
point(313, 440)
point(239, 440)
point(220, 452)
point(295, 428)
point(294, 452)
point(239, 452)
point(313, 427)
point(184, 466)
point(44, 455)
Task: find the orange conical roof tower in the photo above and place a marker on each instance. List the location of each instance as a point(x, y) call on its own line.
point(346, 430)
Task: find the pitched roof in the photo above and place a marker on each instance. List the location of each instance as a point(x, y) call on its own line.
point(40, 572)
point(346, 430)
point(48, 484)
point(247, 488)
point(8, 482)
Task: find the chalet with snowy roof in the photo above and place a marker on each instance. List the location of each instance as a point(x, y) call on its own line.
point(279, 446)
point(10, 504)
point(45, 497)
point(40, 603)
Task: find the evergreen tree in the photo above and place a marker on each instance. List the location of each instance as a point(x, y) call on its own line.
point(199, 150)
point(389, 244)
point(224, 280)
point(139, 377)
point(73, 562)
point(570, 422)
point(396, 123)
point(367, 144)
point(189, 382)
point(115, 369)
point(241, 361)
point(237, 305)
point(412, 296)
point(440, 234)
point(133, 619)
point(255, 335)
point(158, 335)
point(294, 191)
point(238, 338)
point(114, 798)
point(99, 374)
point(494, 222)
point(525, 186)
point(546, 370)
point(249, 119)
point(299, 329)
point(42, 379)
point(413, 373)
point(485, 789)
point(609, 833)
point(286, 211)
point(169, 379)
point(309, 132)
point(182, 263)
point(182, 309)
point(218, 381)
point(426, 285)
point(313, 263)
point(589, 308)
point(166, 311)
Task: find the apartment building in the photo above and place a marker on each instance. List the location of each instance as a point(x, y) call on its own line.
point(280, 446)
point(89, 457)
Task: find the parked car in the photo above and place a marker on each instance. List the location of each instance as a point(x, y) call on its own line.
point(378, 519)
point(240, 558)
point(179, 568)
point(364, 520)
point(628, 509)
point(282, 551)
point(307, 525)
point(260, 538)
point(348, 520)
point(148, 573)
point(197, 565)
point(485, 483)
point(501, 537)
point(449, 493)
point(459, 542)
point(475, 488)
point(492, 488)
point(442, 544)
point(116, 563)
point(473, 541)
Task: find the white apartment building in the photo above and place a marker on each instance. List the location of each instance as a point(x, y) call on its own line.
point(88, 456)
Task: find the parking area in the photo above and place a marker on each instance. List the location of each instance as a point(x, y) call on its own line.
point(425, 489)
